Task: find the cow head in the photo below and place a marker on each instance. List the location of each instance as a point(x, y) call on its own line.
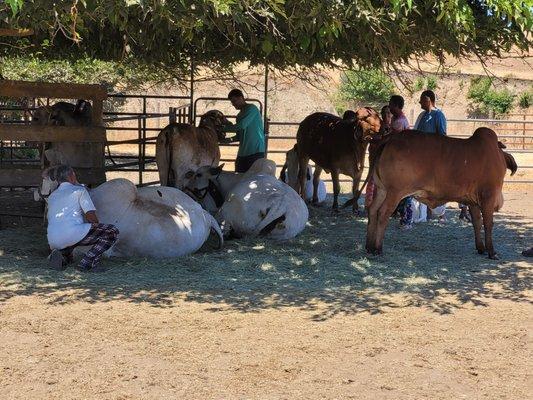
point(43, 116)
point(215, 120)
point(199, 179)
point(48, 184)
point(368, 122)
point(204, 188)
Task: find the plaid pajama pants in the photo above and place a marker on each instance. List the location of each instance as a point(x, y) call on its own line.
point(102, 237)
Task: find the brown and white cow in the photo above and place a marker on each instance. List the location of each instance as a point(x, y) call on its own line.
point(335, 145)
point(181, 148)
point(437, 169)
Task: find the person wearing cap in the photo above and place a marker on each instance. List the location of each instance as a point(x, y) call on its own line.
point(72, 222)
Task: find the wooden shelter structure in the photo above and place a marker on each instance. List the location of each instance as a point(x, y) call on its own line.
point(30, 175)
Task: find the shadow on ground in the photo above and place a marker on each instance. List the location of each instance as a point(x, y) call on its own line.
point(324, 271)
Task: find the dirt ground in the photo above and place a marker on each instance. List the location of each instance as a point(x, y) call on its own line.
point(310, 319)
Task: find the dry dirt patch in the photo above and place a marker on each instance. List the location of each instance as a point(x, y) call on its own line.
point(313, 318)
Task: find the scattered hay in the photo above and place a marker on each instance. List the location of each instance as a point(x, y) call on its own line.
point(432, 265)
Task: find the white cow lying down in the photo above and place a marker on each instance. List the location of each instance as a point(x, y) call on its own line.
point(250, 204)
point(153, 221)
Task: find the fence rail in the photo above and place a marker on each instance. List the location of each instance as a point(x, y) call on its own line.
point(521, 138)
point(118, 126)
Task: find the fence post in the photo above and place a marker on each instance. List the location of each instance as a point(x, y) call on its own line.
point(140, 128)
point(524, 133)
point(172, 115)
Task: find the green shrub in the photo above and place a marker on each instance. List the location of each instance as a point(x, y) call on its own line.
point(486, 98)
point(369, 87)
point(431, 82)
point(419, 84)
point(525, 99)
point(425, 82)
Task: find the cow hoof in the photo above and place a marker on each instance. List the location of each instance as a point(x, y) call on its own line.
point(494, 256)
point(359, 213)
point(480, 251)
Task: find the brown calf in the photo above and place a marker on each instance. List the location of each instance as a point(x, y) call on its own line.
point(437, 169)
point(335, 145)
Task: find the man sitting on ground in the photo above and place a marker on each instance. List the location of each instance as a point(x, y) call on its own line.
point(250, 132)
point(72, 222)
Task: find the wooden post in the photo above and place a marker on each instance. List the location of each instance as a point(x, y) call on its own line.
point(98, 113)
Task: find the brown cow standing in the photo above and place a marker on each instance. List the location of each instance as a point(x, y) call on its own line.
point(335, 145)
point(437, 169)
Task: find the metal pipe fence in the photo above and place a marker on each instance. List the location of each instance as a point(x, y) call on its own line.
point(133, 128)
point(492, 123)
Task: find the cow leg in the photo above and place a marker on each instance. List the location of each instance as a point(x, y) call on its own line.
point(336, 189)
point(475, 214)
point(316, 181)
point(385, 211)
point(377, 201)
point(355, 188)
point(488, 222)
point(302, 175)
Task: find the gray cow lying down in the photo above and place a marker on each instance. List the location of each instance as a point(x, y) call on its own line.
point(251, 204)
point(154, 222)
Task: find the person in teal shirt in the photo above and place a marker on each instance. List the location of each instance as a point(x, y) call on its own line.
point(250, 132)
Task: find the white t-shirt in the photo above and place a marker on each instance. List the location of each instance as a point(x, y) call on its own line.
point(66, 208)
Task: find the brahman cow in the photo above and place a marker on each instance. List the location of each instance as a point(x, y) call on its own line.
point(153, 221)
point(182, 147)
point(289, 175)
point(251, 204)
point(335, 145)
point(437, 169)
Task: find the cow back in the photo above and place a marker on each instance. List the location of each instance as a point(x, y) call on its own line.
point(329, 140)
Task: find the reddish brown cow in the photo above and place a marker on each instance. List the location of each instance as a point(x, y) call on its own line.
point(338, 146)
point(437, 169)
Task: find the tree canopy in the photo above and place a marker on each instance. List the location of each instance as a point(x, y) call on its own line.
point(282, 33)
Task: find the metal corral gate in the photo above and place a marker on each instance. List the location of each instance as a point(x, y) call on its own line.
point(521, 142)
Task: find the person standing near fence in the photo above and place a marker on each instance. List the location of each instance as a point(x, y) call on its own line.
point(399, 123)
point(72, 222)
point(431, 120)
point(250, 132)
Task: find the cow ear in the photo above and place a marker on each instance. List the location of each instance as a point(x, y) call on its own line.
point(215, 171)
point(189, 174)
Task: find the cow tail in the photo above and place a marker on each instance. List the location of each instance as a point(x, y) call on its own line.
point(510, 162)
point(166, 150)
point(373, 159)
point(216, 228)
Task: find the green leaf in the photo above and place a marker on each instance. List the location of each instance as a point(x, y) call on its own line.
point(267, 46)
point(305, 42)
point(15, 5)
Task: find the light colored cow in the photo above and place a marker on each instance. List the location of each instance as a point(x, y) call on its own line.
point(250, 204)
point(289, 175)
point(156, 222)
point(183, 147)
